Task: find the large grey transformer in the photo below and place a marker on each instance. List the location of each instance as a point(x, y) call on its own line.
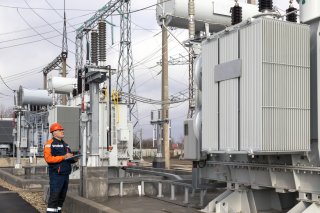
point(264, 104)
point(256, 118)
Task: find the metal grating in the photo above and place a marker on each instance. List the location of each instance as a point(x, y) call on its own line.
point(250, 87)
point(285, 87)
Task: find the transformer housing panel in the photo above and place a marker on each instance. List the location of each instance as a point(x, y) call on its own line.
point(228, 96)
point(209, 97)
point(69, 118)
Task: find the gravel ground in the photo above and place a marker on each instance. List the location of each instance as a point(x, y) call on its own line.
point(34, 198)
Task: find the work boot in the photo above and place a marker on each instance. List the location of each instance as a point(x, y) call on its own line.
point(52, 210)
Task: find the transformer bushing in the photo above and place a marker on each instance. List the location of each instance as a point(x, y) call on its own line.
point(265, 5)
point(102, 41)
point(94, 47)
point(236, 14)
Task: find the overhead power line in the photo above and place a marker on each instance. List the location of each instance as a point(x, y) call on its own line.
point(55, 10)
point(46, 21)
point(5, 83)
point(172, 100)
point(37, 31)
point(44, 25)
point(42, 8)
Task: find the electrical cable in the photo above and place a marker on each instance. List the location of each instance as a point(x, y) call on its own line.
point(59, 14)
point(30, 28)
point(37, 31)
point(151, 101)
point(42, 8)
point(4, 94)
point(31, 36)
point(5, 83)
point(41, 26)
point(144, 8)
point(48, 23)
point(31, 42)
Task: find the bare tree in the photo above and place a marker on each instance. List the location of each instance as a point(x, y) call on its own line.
point(5, 112)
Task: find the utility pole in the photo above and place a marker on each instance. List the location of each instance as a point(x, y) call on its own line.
point(64, 53)
point(61, 58)
point(165, 96)
point(191, 12)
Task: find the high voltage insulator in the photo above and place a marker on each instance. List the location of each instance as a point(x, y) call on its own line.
point(94, 47)
point(265, 5)
point(292, 17)
point(102, 41)
point(236, 14)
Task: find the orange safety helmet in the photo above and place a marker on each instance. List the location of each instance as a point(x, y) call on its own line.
point(55, 126)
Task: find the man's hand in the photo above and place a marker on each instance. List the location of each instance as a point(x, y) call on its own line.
point(68, 155)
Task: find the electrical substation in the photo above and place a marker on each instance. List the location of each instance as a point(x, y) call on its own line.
point(252, 130)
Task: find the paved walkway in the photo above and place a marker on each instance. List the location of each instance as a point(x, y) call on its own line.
point(11, 202)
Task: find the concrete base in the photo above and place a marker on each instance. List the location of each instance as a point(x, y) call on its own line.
point(20, 181)
point(8, 162)
point(94, 183)
point(35, 170)
point(83, 205)
point(18, 171)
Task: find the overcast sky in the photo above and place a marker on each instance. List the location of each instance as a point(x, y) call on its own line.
point(31, 38)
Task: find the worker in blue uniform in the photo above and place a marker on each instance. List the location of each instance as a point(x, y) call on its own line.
point(56, 154)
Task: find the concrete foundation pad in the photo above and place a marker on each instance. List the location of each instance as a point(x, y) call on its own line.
point(34, 182)
point(18, 171)
point(82, 205)
point(94, 183)
point(8, 162)
point(20, 180)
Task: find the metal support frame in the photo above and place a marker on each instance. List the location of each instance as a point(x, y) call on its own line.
point(244, 200)
point(160, 190)
point(186, 195)
point(121, 189)
point(125, 76)
point(94, 79)
point(18, 142)
point(142, 188)
point(91, 23)
point(173, 192)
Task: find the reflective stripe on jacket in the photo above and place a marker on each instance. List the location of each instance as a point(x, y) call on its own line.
point(54, 152)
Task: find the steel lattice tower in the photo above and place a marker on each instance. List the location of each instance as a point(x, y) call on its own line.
point(125, 76)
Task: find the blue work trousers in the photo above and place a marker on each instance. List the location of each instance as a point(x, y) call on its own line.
point(58, 190)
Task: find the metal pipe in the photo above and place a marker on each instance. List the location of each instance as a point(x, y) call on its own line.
point(160, 190)
point(164, 174)
point(142, 188)
point(173, 190)
point(121, 188)
point(186, 195)
point(109, 88)
point(18, 160)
